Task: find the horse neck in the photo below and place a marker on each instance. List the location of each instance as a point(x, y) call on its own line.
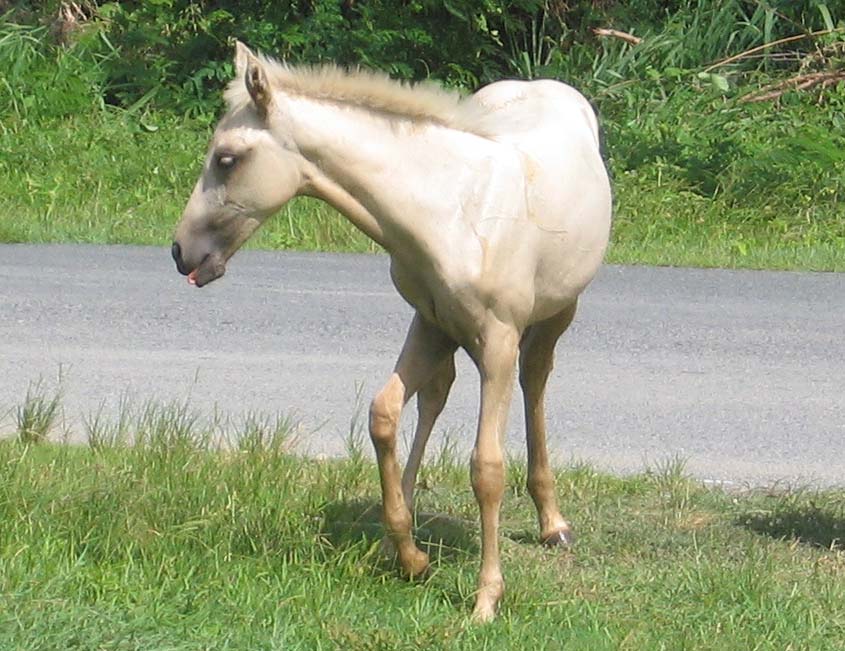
point(405, 174)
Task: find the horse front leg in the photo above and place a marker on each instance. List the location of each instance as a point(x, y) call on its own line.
point(424, 350)
point(496, 359)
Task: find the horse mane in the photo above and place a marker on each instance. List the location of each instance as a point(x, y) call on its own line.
point(369, 90)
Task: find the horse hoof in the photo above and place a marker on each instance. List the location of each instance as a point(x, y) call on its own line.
point(416, 565)
point(483, 614)
point(559, 537)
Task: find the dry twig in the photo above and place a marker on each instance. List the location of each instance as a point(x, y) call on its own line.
point(781, 41)
point(69, 18)
point(615, 33)
point(798, 82)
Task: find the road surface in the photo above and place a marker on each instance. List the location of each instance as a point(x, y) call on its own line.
point(741, 374)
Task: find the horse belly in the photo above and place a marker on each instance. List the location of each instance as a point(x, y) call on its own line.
point(537, 273)
point(443, 296)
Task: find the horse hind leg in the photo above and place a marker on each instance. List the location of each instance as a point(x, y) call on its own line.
point(424, 349)
point(431, 399)
point(535, 364)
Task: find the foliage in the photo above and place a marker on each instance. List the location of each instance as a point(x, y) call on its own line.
point(41, 83)
point(178, 51)
point(133, 82)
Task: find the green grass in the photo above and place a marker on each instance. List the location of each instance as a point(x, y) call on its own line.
point(171, 543)
point(106, 178)
point(700, 177)
point(703, 179)
point(661, 222)
point(37, 416)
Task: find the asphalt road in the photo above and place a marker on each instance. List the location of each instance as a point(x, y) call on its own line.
point(741, 374)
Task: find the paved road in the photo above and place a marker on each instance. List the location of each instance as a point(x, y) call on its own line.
point(740, 373)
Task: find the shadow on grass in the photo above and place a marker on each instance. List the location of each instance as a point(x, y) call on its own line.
point(523, 536)
point(440, 535)
point(807, 524)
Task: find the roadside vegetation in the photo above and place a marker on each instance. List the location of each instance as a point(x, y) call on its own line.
point(723, 125)
point(215, 535)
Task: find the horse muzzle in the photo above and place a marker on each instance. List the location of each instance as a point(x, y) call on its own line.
point(210, 268)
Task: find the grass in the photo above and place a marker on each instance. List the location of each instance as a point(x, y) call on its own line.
point(37, 416)
point(106, 177)
point(660, 222)
point(700, 177)
point(174, 543)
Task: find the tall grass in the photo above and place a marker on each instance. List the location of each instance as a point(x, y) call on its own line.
point(694, 36)
point(678, 39)
point(38, 414)
point(41, 83)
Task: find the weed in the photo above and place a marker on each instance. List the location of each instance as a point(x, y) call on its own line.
point(37, 416)
point(261, 434)
point(168, 429)
point(103, 435)
point(355, 440)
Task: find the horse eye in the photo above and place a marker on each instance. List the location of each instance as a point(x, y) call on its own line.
point(226, 161)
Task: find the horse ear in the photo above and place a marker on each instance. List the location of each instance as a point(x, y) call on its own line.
point(255, 77)
point(242, 54)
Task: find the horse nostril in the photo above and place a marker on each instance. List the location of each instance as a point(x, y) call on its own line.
point(176, 252)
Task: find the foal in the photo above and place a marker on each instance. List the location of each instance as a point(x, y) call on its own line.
point(495, 211)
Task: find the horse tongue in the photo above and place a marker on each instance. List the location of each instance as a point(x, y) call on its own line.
point(192, 277)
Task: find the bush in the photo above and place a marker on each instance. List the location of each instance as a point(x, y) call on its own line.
point(177, 53)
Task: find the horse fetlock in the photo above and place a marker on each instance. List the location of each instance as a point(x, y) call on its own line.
point(541, 486)
point(559, 536)
point(398, 520)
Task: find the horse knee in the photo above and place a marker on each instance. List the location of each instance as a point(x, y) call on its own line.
point(385, 410)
